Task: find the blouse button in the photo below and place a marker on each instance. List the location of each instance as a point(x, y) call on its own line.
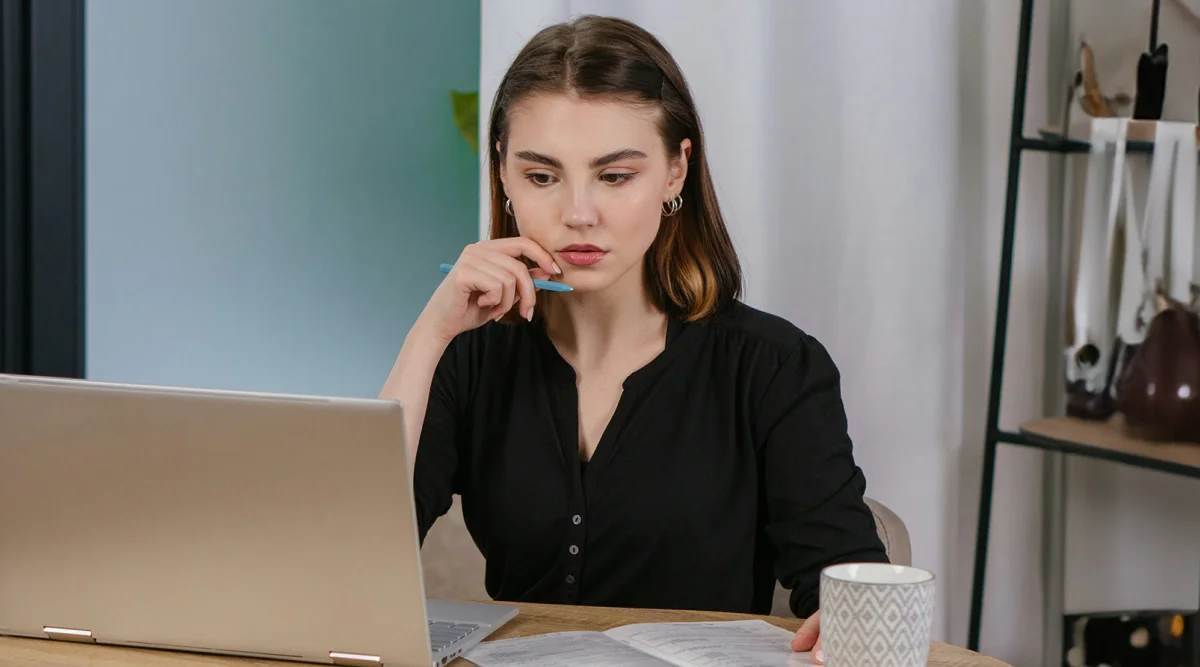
point(576, 519)
point(574, 550)
point(570, 578)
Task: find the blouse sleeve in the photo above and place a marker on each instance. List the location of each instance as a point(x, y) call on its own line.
point(435, 473)
point(816, 515)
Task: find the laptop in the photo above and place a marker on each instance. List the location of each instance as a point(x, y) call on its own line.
point(235, 523)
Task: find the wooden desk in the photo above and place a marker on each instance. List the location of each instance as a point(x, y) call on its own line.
point(534, 619)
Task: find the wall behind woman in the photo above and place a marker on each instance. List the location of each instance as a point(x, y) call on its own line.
point(271, 185)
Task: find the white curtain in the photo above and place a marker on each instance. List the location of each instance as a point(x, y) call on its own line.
point(834, 138)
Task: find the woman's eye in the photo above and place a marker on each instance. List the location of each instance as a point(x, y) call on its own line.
point(615, 179)
point(540, 180)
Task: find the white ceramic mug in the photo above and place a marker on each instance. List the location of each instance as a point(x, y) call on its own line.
point(876, 614)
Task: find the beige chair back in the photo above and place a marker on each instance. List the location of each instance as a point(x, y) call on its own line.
point(450, 561)
point(453, 566)
point(893, 534)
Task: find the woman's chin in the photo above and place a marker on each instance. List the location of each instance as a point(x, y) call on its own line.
point(583, 280)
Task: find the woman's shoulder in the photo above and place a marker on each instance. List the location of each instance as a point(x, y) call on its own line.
point(775, 360)
point(758, 328)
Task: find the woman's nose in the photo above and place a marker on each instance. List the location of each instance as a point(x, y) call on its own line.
point(580, 211)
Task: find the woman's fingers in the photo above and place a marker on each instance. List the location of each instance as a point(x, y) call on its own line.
point(522, 246)
point(508, 287)
point(504, 279)
point(472, 280)
point(526, 292)
point(808, 634)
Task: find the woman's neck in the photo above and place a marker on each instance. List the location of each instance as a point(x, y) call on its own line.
point(589, 329)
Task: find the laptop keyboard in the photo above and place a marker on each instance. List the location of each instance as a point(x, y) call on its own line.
point(443, 634)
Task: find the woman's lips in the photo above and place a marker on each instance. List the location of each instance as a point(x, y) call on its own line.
point(581, 255)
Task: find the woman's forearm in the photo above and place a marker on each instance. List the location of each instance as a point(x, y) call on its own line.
point(410, 379)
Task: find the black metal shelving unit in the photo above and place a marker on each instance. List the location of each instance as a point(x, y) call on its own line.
point(995, 436)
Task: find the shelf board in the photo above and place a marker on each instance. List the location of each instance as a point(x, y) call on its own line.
point(1139, 141)
point(1140, 138)
point(1054, 143)
point(1107, 440)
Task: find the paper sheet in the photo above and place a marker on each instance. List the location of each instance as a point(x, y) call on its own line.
point(588, 649)
point(718, 644)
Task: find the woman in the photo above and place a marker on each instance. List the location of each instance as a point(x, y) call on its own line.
point(645, 439)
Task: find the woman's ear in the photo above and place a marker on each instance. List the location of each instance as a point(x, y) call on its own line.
point(679, 168)
point(498, 157)
point(685, 149)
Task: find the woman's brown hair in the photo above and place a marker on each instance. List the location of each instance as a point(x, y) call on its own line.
point(691, 268)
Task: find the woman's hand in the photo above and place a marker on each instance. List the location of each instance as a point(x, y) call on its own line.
point(808, 638)
point(486, 282)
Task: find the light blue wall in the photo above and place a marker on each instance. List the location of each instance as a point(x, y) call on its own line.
point(271, 185)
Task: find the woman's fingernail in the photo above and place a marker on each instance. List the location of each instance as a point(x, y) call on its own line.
point(529, 315)
point(819, 657)
point(556, 269)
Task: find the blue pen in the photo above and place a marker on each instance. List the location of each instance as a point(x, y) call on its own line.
point(548, 285)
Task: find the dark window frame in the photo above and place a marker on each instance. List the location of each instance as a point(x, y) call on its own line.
point(42, 191)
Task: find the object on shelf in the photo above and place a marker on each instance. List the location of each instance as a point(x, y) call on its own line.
point(1093, 101)
point(1113, 363)
point(1151, 84)
point(1159, 391)
point(1083, 401)
point(1151, 74)
point(1129, 639)
point(1091, 359)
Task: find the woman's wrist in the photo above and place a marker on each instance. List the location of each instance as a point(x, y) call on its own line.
point(419, 356)
point(427, 334)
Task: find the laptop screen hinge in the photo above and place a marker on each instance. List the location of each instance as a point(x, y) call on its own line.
point(69, 634)
point(355, 659)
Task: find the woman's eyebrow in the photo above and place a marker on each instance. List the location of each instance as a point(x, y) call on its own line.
point(539, 158)
point(617, 156)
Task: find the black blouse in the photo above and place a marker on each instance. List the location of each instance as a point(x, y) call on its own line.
point(726, 466)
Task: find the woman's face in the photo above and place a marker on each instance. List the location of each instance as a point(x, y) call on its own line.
point(587, 180)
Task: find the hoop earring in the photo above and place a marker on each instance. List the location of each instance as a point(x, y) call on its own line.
point(672, 207)
point(508, 207)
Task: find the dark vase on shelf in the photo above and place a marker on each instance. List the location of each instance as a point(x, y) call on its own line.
point(1159, 389)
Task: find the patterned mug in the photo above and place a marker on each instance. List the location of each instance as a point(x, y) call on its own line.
point(876, 614)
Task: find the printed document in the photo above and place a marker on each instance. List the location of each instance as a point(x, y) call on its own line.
point(708, 644)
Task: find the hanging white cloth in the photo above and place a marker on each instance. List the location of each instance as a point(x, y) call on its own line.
point(1089, 356)
point(1170, 206)
point(1183, 210)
